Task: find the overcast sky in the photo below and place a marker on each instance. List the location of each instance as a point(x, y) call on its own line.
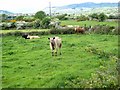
point(32, 6)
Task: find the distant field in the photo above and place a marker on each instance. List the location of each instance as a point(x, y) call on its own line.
point(88, 23)
point(65, 22)
point(28, 63)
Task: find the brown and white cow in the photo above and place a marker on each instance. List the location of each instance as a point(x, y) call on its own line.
point(79, 30)
point(55, 45)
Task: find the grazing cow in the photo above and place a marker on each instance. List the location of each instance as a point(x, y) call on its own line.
point(55, 44)
point(26, 36)
point(79, 30)
point(32, 37)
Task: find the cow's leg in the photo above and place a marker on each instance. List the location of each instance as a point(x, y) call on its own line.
point(52, 49)
point(60, 52)
point(60, 49)
point(56, 52)
point(52, 52)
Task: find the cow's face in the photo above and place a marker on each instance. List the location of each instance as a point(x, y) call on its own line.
point(52, 43)
point(51, 39)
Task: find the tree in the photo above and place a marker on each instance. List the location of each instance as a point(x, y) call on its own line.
point(3, 17)
point(40, 15)
point(94, 16)
point(19, 18)
point(102, 17)
point(46, 22)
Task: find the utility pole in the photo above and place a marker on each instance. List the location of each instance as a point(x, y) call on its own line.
point(50, 9)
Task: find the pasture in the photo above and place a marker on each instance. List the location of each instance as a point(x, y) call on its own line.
point(88, 23)
point(29, 64)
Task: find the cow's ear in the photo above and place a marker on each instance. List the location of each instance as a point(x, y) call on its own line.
point(49, 38)
point(53, 37)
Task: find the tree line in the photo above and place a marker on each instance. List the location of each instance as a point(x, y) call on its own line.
point(42, 20)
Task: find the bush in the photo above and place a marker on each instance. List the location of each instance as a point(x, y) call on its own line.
point(46, 22)
point(82, 18)
point(19, 33)
point(105, 29)
point(30, 25)
point(62, 17)
point(105, 77)
point(62, 31)
point(36, 24)
point(4, 26)
point(39, 33)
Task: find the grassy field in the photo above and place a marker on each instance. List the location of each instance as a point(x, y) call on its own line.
point(28, 63)
point(88, 23)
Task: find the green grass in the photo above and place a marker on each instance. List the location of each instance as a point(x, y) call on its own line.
point(28, 63)
point(88, 23)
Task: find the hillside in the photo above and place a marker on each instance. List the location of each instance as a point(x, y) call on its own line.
point(81, 8)
point(85, 8)
point(5, 12)
point(90, 5)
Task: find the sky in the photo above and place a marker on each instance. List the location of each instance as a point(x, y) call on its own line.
point(32, 6)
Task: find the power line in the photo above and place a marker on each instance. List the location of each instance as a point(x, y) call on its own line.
point(50, 9)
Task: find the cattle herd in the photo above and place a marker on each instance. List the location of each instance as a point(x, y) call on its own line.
point(55, 42)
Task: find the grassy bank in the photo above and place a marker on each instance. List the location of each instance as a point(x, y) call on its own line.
point(28, 63)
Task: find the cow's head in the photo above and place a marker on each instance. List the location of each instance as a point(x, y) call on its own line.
point(51, 39)
point(25, 36)
point(52, 42)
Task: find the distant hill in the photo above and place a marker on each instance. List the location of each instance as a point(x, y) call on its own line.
point(80, 8)
point(5, 12)
point(85, 8)
point(90, 5)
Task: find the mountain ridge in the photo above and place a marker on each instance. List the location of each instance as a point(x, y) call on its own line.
point(90, 5)
point(5, 12)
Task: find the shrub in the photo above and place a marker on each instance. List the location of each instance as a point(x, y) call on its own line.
point(3, 26)
point(30, 25)
point(82, 18)
point(36, 24)
point(62, 17)
point(19, 18)
point(62, 31)
point(105, 77)
point(39, 33)
point(105, 29)
point(46, 22)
